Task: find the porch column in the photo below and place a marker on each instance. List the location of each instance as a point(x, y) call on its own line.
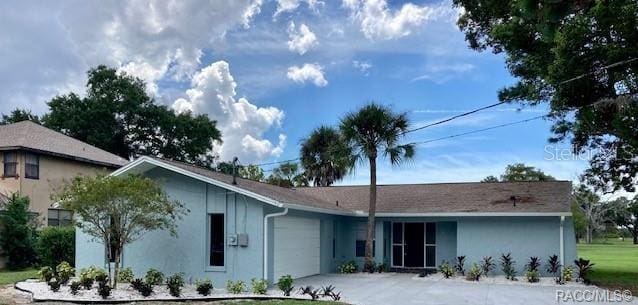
point(379, 242)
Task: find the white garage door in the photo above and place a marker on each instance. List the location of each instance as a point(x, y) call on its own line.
point(297, 246)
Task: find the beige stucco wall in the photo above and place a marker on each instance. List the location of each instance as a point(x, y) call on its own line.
point(54, 173)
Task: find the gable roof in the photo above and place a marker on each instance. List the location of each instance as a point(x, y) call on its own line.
point(439, 199)
point(27, 135)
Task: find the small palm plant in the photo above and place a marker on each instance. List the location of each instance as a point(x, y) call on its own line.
point(553, 266)
point(487, 265)
point(460, 264)
point(584, 267)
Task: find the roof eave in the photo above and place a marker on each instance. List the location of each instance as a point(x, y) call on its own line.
point(59, 155)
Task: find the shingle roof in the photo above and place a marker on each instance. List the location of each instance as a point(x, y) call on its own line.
point(478, 197)
point(31, 136)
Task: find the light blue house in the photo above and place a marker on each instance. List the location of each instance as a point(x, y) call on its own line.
point(249, 229)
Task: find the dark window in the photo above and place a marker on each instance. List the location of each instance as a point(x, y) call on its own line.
point(430, 256)
point(216, 240)
point(32, 166)
point(10, 161)
point(397, 233)
point(397, 255)
point(59, 218)
point(430, 233)
point(361, 248)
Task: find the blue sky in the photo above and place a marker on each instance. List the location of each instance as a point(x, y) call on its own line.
point(271, 71)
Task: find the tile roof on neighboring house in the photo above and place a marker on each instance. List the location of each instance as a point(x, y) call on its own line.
point(34, 137)
point(470, 197)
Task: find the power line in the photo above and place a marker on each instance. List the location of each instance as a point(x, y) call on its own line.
point(616, 64)
point(453, 118)
point(478, 130)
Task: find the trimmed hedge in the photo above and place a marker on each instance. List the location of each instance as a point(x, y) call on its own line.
point(56, 245)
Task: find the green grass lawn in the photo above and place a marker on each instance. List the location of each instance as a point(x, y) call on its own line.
point(616, 263)
point(10, 277)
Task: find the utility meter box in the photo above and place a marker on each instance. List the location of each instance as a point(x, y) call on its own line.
point(232, 240)
point(242, 240)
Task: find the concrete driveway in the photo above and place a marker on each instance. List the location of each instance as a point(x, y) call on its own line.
point(402, 289)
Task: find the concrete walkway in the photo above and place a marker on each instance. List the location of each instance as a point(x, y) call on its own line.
point(404, 289)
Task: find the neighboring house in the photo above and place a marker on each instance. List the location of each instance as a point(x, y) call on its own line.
point(256, 230)
point(37, 161)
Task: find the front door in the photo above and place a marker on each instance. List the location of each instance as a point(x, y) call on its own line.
point(414, 245)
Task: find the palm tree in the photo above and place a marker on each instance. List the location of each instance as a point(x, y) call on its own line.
point(325, 157)
point(375, 129)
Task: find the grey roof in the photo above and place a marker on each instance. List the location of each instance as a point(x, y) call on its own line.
point(477, 197)
point(31, 136)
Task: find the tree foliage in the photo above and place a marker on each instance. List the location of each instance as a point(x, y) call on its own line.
point(580, 58)
point(118, 116)
point(18, 234)
point(370, 132)
point(19, 115)
point(520, 172)
point(288, 175)
point(252, 172)
point(325, 156)
point(55, 245)
point(119, 210)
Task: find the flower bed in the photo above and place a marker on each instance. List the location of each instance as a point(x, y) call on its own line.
point(124, 293)
point(499, 279)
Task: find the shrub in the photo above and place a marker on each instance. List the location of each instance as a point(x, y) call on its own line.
point(259, 286)
point(154, 277)
point(474, 274)
point(55, 245)
point(46, 273)
point(533, 276)
point(348, 267)
point(75, 287)
point(142, 287)
point(285, 284)
point(327, 290)
point(383, 267)
point(336, 296)
point(309, 290)
point(18, 236)
point(103, 289)
point(204, 287)
point(446, 269)
point(54, 284)
point(487, 265)
point(125, 275)
point(567, 274)
point(534, 263)
point(584, 267)
point(235, 287)
point(86, 282)
point(101, 277)
point(553, 266)
point(175, 283)
point(93, 273)
point(64, 272)
point(137, 284)
point(507, 265)
point(460, 264)
point(145, 289)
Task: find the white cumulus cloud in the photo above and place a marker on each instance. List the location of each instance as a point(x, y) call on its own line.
point(308, 73)
point(291, 5)
point(379, 22)
point(363, 66)
point(301, 39)
point(242, 123)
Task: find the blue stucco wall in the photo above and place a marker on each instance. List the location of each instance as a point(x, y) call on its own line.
point(524, 237)
point(187, 252)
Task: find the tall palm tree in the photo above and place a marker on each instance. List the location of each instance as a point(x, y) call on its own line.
point(325, 156)
point(372, 131)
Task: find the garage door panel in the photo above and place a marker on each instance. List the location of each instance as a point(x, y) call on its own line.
point(296, 246)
